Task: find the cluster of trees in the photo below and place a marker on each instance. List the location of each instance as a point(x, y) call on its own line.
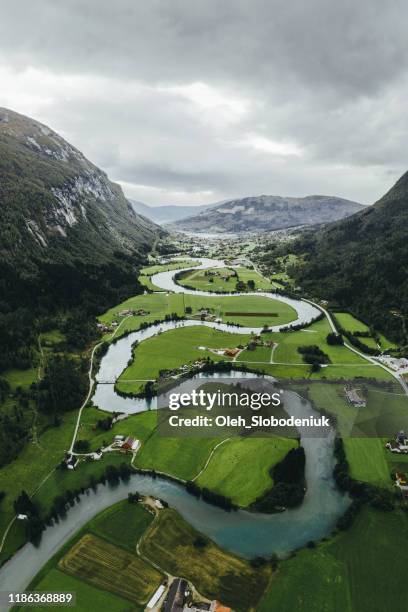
point(299, 326)
point(334, 339)
point(289, 488)
point(23, 505)
point(64, 384)
point(18, 330)
point(242, 286)
point(63, 388)
point(313, 354)
point(210, 496)
point(168, 317)
point(105, 424)
point(273, 561)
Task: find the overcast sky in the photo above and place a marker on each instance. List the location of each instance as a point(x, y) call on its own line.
point(192, 101)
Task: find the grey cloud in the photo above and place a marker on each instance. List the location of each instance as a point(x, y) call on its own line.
point(329, 77)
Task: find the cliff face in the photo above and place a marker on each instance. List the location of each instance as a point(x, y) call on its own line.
point(62, 220)
point(49, 190)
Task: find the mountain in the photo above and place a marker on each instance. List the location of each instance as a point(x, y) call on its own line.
point(360, 262)
point(265, 213)
point(66, 231)
point(168, 214)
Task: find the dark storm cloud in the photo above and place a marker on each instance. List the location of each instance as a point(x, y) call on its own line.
point(218, 99)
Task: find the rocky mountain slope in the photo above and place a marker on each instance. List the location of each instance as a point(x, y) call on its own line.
point(65, 228)
point(360, 262)
point(265, 213)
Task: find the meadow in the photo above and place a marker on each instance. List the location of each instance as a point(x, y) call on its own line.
point(240, 467)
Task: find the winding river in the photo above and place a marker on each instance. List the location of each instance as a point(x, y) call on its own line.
point(247, 534)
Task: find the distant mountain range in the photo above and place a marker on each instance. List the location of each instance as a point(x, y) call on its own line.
point(168, 214)
point(65, 228)
point(266, 213)
point(360, 262)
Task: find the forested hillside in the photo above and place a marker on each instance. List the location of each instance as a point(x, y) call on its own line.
point(68, 236)
point(360, 262)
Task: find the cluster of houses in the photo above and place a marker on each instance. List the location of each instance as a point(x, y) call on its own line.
point(399, 444)
point(184, 369)
point(126, 444)
point(401, 483)
point(205, 315)
point(354, 397)
point(399, 365)
point(177, 599)
point(224, 275)
point(126, 312)
point(105, 328)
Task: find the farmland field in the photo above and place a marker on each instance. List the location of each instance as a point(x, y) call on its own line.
point(110, 568)
point(214, 572)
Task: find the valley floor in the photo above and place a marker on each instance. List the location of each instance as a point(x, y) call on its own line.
point(239, 468)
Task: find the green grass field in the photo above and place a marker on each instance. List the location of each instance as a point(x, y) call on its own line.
point(176, 265)
point(199, 280)
point(173, 349)
point(361, 570)
point(245, 309)
point(33, 464)
point(161, 304)
point(181, 457)
point(288, 362)
point(122, 524)
point(156, 304)
point(88, 597)
point(240, 467)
